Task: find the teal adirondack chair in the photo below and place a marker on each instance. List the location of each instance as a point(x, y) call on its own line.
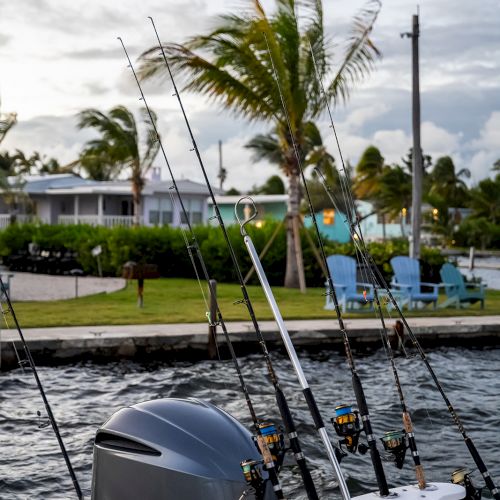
point(407, 281)
point(343, 271)
point(456, 288)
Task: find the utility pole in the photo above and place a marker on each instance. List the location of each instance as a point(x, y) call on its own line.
point(417, 167)
point(222, 171)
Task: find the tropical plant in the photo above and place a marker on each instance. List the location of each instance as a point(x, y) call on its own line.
point(395, 195)
point(447, 183)
point(7, 121)
point(119, 145)
point(485, 200)
point(367, 180)
point(232, 65)
point(273, 185)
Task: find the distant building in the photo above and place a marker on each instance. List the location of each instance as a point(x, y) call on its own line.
point(372, 223)
point(274, 207)
point(69, 199)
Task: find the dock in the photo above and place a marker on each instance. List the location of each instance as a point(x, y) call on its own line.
point(189, 341)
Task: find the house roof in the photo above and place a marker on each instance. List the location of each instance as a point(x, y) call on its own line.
point(59, 184)
point(41, 183)
point(257, 198)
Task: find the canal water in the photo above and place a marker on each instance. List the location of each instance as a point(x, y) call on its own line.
point(84, 395)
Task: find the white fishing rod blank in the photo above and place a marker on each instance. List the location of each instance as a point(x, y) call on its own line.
point(292, 354)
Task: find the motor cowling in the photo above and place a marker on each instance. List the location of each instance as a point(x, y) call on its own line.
point(171, 449)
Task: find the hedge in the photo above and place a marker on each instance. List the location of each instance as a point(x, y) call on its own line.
point(165, 247)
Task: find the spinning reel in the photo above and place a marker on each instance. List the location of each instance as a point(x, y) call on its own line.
point(395, 445)
point(462, 477)
point(275, 441)
point(346, 425)
point(253, 475)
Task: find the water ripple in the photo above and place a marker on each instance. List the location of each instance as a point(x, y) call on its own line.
point(84, 395)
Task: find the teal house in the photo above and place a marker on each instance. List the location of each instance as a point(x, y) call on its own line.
point(274, 206)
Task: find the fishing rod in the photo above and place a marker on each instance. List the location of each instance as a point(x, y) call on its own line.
point(306, 390)
point(399, 449)
point(393, 441)
point(281, 400)
point(263, 430)
point(48, 409)
point(356, 381)
point(355, 229)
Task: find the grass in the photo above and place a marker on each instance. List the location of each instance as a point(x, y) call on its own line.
point(180, 301)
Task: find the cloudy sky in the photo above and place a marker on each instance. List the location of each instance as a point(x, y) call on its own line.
point(59, 57)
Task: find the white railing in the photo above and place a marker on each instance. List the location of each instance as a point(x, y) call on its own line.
point(95, 220)
point(6, 219)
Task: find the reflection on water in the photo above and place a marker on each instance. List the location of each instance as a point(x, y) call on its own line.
point(84, 395)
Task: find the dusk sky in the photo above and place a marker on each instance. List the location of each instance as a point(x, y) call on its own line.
point(59, 57)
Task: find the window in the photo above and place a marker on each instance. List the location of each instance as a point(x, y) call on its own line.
point(154, 217)
point(328, 216)
point(196, 210)
point(167, 214)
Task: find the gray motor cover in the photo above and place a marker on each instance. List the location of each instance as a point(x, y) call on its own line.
point(171, 449)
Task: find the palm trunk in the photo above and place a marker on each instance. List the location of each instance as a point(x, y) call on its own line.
point(136, 200)
point(292, 271)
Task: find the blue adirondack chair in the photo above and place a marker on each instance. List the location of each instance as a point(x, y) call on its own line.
point(456, 288)
point(348, 291)
point(407, 281)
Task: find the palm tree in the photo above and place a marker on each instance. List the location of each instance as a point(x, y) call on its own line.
point(368, 180)
point(6, 123)
point(232, 66)
point(446, 182)
point(119, 145)
point(395, 193)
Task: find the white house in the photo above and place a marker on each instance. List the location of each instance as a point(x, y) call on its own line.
point(69, 199)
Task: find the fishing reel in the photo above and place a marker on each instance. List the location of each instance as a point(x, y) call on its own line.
point(462, 477)
point(395, 445)
point(346, 425)
point(275, 441)
point(253, 475)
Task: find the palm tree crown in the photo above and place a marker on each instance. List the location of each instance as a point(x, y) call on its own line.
point(235, 65)
point(119, 146)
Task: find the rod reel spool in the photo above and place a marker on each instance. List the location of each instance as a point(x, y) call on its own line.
point(274, 439)
point(395, 445)
point(346, 425)
point(461, 476)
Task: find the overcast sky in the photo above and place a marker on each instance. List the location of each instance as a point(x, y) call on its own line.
point(59, 57)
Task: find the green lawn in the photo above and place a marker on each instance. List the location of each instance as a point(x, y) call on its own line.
point(180, 301)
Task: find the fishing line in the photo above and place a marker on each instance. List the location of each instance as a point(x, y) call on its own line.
point(280, 396)
point(357, 385)
point(48, 409)
point(270, 464)
point(211, 321)
point(355, 228)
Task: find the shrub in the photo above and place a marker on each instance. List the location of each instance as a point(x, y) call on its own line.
point(165, 247)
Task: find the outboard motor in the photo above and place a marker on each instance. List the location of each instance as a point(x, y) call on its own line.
point(170, 449)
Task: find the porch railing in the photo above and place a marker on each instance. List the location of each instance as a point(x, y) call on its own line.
point(6, 219)
point(95, 220)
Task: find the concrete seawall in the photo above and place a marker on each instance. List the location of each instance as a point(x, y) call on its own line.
point(189, 341)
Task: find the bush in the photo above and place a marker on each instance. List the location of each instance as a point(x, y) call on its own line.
point(165, 247)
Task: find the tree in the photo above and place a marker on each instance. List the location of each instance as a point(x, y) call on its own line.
point(447, 183)
point(6, 123)
point(231, 64)
point(119, 146)
point(395, 193)
point(367, 182)
point(273, 185)
point(485, 200)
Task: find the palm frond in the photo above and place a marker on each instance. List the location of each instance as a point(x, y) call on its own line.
point(360, 56)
